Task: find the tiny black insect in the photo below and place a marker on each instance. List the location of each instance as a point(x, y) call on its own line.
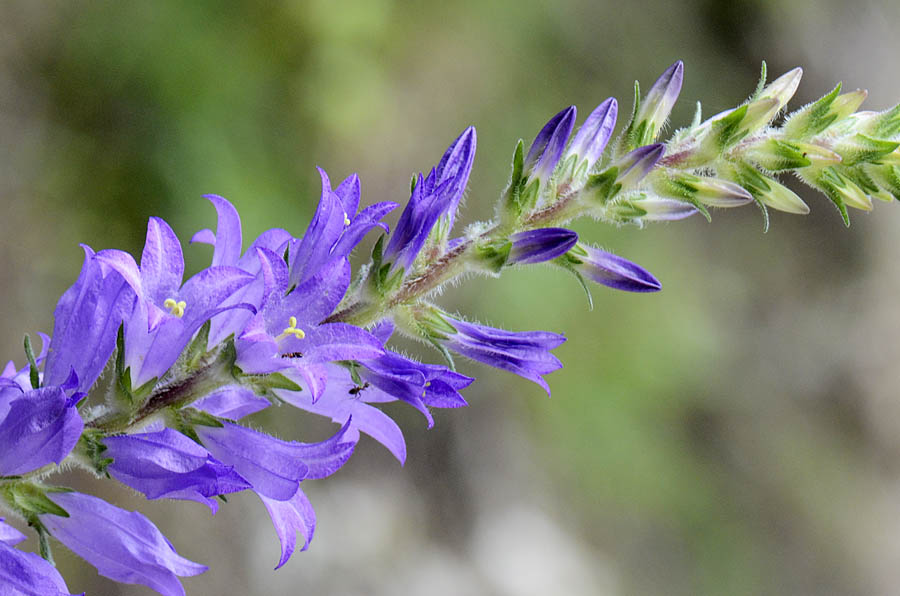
point(293, 355)
point(357, 389)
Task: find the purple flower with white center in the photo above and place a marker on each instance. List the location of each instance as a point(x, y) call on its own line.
point(227, 244)
point(287, 332)
point(27, 574)
point(168, 465)
point(610, 270)
point(525, 353)
point(548, 145)
point(537, 246)
point(291, 517)
point(167, 314)
point(433, 196)
point(594, 134)
point(123, 545)
point(87, 318)
point(275, 468)
point(335, 229)
point(41, 426)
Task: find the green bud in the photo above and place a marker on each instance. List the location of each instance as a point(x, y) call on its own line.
point(861, 148)
point(511, 197)
point(768, 191)
point(887, 177)
point(842, 191)
point(427, 321)
point(819, 115)
point(713, 192)
point(30, 500)
point(492, 256)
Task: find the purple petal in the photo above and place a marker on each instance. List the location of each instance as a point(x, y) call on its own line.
point(317, 297)
point(637, 164)
point(662, 96)
point(10, 535)
point(291, 517)
point(227, 240)
point(233, 402)
point(123, 545)
point(208, 289)
point(455, 167)
point(335, 341)
point(273, 467)
point(86, 320)
point(313, 250)
point(595, 133)
point(348, 192)
point(537, 246)
point(41, 427)
point(610, 270)
point(162, 262)
point(367, 219)
point(122, 263)
point(549, 144)
point(27, 574)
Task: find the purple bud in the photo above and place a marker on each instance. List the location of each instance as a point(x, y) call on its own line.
point(123, 545)
point(537, 246)
point(658, 103)
point(548, 146)
point(637, 164)
point(594, 134)
point(42, 426)
point(611, 270)
point(26, 574)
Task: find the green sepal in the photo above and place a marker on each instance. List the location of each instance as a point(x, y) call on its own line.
point(200, 418)
point(827, 183)
point(412, 183)
point(352, 367)
point(698, 116)
point(195, 351)
point(378, 252)
point(431, 323)
point(765, 213)
point(43, 540)
point(493, 256)
point(448, 357)
point(602, 187)
point(762, 82)
point(727, 131)
point(861, 148)
point(887, 177)
point(700, 207)
point(511, 207)
point(819, 115)
point(624, 210)
point(34, 375)
point(566, 262)
point(886, 125)
point(777, 156)
point(91, 446)
point(31, 500)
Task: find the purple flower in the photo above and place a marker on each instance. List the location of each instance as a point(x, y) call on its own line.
point(232, 401)
point(335, 229)
point(87, 318)
point(291, 517)
point(435, 195)
point(594, 134)
point(40, 427)
point(27, 574)
point(525, 353)
point(168, 465)
point(654, 110)
point(548, 146)
point(275, 468)
point(537, 246)
point(287, 332)
point(123, 545)
point(166, 315)
point(610, 270)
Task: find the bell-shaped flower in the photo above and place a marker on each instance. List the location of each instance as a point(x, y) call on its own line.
point(167, 314)
point(610, 270)
point(167, 465)
point(123, 545)
point(275, 468)
point(40, 426)
point(87, 318)
point(335, 230)
point(27, 574)
point(433, 196)
point(288, 333)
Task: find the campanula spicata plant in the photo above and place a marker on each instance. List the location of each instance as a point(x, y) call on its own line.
point(288, 321)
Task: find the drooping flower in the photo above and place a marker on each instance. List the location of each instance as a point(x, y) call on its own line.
point(123, 545)
point(291, 517)
point(167, 465)
point(167, 314)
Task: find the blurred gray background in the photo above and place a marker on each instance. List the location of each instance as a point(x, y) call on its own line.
point(737, 433)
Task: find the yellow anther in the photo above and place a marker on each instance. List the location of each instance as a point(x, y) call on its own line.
point(346, 220)
point(291, 329)
point(175, 308)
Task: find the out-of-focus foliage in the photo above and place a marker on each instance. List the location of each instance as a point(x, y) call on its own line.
point(733, 434)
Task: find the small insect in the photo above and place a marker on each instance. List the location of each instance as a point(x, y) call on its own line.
point(292, 355)
point(357, 389)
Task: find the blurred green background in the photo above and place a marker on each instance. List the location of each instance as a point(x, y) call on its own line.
point(737, 433)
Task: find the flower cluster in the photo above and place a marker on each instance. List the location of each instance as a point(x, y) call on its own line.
point(289, 322)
